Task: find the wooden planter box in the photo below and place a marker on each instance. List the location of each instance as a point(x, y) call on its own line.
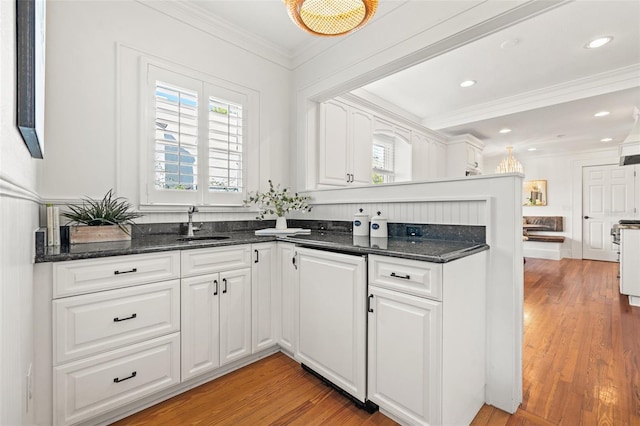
point(98, 234)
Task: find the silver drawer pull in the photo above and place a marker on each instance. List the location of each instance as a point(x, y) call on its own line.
point(125, 272)
point(118, 380)
point(116, 319)
point(404, 277)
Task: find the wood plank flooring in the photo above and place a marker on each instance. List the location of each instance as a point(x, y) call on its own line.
point(581, 348)
point(581, 366)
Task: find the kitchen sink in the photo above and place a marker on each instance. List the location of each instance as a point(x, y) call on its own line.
point(204, 238)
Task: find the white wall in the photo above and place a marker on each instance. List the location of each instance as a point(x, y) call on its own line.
point(18, 220)
point(563, 173)
point(92, 144)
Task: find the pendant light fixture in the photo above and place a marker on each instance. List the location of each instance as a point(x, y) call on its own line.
point(510, 164)
point(330, 18)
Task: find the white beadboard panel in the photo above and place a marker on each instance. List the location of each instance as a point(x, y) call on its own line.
point(18, 220)
point(469, 212)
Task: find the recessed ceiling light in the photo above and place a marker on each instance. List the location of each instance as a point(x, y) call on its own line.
point(606, 140)
point(601, 114)
point(598, 42)
point(532, 149)
point(504, 131)
point(467, 83)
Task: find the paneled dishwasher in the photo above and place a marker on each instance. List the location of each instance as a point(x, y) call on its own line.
point(332, 320)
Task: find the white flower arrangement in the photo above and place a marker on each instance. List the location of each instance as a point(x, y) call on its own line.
point(277, 201)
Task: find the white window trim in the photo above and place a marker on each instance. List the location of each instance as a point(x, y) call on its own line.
point(214, 201)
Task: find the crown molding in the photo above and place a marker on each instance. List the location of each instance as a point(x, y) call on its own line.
point(599, 84)
point(193, 15)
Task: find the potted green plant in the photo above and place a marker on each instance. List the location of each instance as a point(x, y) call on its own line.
point(108, 219)
point(279, 202)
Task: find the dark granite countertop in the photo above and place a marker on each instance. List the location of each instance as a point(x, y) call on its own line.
point(417, 248)
point(406, 247)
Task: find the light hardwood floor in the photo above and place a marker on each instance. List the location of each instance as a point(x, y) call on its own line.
point(581, 366)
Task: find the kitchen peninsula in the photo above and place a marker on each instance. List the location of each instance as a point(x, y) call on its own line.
point(155, 291)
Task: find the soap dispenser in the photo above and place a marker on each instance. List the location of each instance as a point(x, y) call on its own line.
point(379, 226)
point(360, 224)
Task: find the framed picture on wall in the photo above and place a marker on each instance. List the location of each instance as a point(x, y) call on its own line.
point(534, 193)
point(30, 38)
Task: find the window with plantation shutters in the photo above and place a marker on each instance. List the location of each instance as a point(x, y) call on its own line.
point(197, 153)
point(176, 138)
point(225, 146)
point(382, 160)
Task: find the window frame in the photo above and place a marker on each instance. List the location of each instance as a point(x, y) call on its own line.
point(207, 86)
point(389, 145)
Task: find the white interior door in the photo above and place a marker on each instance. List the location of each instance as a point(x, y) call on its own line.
point(608, 196)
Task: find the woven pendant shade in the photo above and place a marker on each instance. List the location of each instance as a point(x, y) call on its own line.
point(331, 17)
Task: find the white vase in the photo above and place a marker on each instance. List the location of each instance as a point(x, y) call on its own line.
point(281, 222)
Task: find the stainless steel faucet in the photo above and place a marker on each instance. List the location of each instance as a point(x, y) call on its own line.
point(190, 228)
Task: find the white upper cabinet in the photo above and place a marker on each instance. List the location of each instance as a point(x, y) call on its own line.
point(361, 123)
point(428, 157)
point(360, 144)
point(464, 156)
point(345, 145)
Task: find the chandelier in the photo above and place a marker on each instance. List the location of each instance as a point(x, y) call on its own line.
point(330, 18)
point(510, 164)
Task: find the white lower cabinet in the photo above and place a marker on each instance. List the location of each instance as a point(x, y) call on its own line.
point(91, 386)
point(405, 337)
point(426, 346)
point(265, 296)
point(92, 323)
point(215, 315)
point(287, 283)
point(128, 338)
point(331, 317)
point(115, 332)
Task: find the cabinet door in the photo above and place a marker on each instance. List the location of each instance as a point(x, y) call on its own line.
point(264, 295)
point(404, 355)
point(361, 154)
point(286, 295)
point(331, 315)
point(441, 159)
point(421, 166)
point(200, 324)
point(333, 141)
point(235, 315)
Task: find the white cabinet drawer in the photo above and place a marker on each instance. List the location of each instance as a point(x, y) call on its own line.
point(87, 324)
point(422, 279)
point(211, 260)
point(92, 386)
point(91, 275)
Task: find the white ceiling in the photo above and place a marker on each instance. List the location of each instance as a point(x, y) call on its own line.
point(544, 85)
